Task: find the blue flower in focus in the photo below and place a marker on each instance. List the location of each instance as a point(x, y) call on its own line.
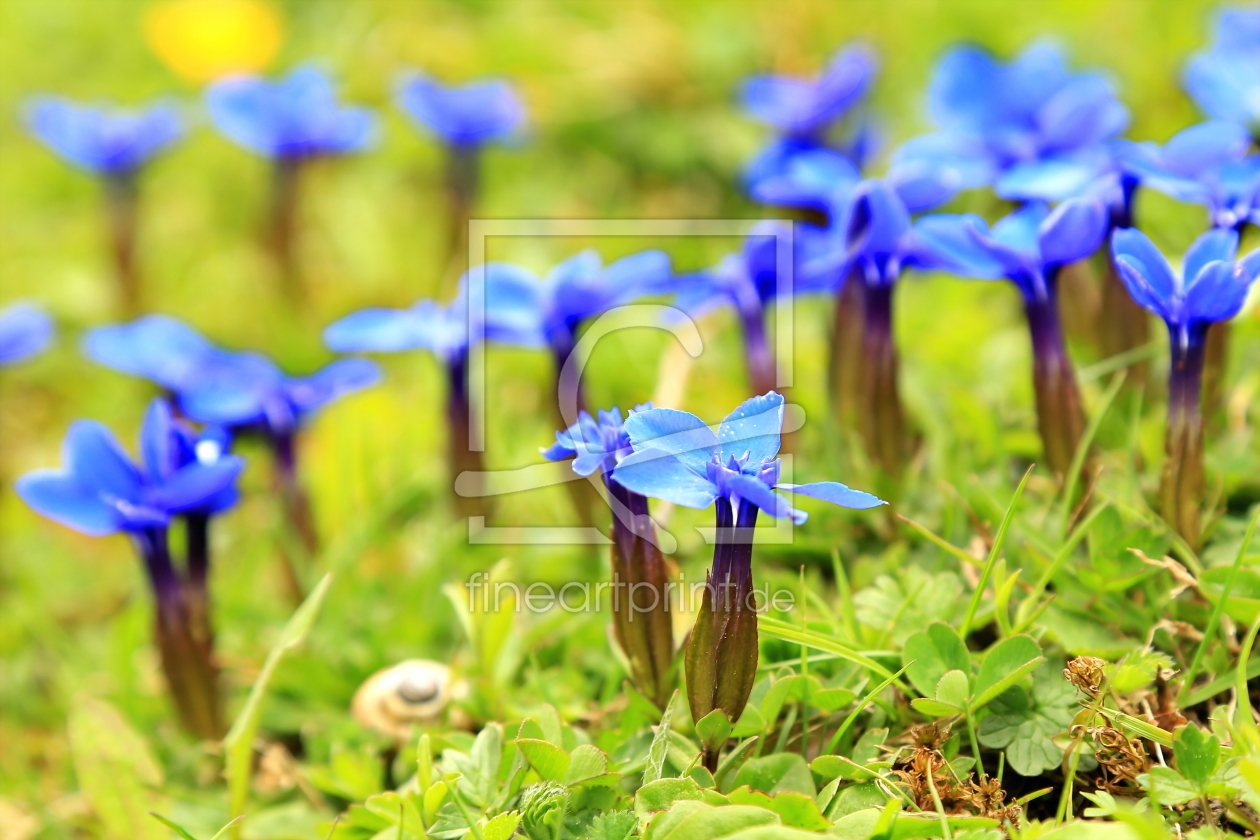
point(465, 115)
point(995, 115)
point(594, 444)
point(679, 459)
point(101, 491)
point(104, 141)
point(296, 117)
point(508, 293)
point(1205, 164)
point(1225, 80)
point(1027, 247)
point(577, 289)
point(1211, 287)
point(806, 108)
point(24, 331)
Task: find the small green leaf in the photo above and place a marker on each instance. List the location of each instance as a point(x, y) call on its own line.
point(1168, 787)
point(954, 689)
point(549, 761)
point(1198, 754)
point(773, 773)
point(700, 821)
point(831, 699)
point(795, 809)
point(502, 826)
point(933, 652)
point(713, 729)
point(837, 766)
point(585, 762)
point(659, 749)
point(1009, 661)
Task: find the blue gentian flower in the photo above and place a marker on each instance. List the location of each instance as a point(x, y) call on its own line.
point(509, 294)
point(155, 347)
point(296, 117)
point(101, 491)
point(1000, 115)
point(815, 179)
point(1205, 164)
point(806, 108)
point(103, 141)
point(582, 287)
point(1225, 80)
point(468, 115)
point(677, 458)
point(1029, 248)
point(24, 332)
point(1211, 287)
point(642, 619)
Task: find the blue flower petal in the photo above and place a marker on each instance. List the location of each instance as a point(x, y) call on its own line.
point(1148, 263)
point(102, 141)
point(156, 347)
point(63, 499)
point(753, 428)
point(339, 378)
point(950, 243)
point(468, 115)
point(96, 460)
point(1217, 292)
point(159, 442)
point(24, 331)
point(756, 491)
point(1215, 245)
point(192, 486)
point(663, 475)
point(1073, 231)
point(677, 432)
point(379, 330)
point(1204, 146)
point(836, 493)
point(878, 219)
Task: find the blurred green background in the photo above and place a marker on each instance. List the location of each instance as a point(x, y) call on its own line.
point(632, 115)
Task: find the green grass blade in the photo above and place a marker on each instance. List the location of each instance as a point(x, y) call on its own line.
point(238, 744)
point(1083, 447)
point(777, 629)
point(998, 542)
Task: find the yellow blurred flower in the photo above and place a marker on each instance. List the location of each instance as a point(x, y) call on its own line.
point(203, 40)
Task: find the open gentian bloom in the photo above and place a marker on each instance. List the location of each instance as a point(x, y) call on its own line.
point(1206, 164)
point(24, 332)
point(1225, 80)
point(1029, 248)
point(641, 616)
point(1210, 289)
point(465, 118)
point(1001, 115)
point(101, 491)
point(289, 122)
point(677, 458)
point(806, 108)
point(444, 331)
point(112, 144)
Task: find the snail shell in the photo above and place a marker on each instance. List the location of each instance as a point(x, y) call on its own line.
point(413, 691)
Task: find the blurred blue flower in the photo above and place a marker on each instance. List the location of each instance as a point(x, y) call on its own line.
point(1205, 164)
point(1211, 287)
point(808, 178)
point(1027, 247)
point(220, 387)
point(155, 347)
point(101, 140)
point(577, 289)
point(295, 117)
point(594, 444)
point(806, 108)
point(508, 294)
point(679, 459)
point(994, 115)
point(1225, 80)
point(462, 115)
point(24, 331)
point(101, 491)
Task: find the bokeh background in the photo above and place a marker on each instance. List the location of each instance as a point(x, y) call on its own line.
point(633, 114)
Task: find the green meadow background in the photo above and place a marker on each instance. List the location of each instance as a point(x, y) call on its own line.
point(633, 114)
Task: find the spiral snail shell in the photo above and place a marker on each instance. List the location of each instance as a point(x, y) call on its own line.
point(413, 691)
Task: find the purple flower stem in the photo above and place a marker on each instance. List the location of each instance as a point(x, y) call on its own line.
point(282, 237)
point(301, 544)
point(1181, 484)
point(196, 587)
point(121, 206)
point(192, 676)
point(721, 658)
point(641, 609)
point(570, 394)
point(881, 415)
point(1060, 415)
point(461, 458)
point(846, 351)
point(761, 368)
point(462, 180)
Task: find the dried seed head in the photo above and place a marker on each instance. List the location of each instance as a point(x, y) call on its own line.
point(1086, 673)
